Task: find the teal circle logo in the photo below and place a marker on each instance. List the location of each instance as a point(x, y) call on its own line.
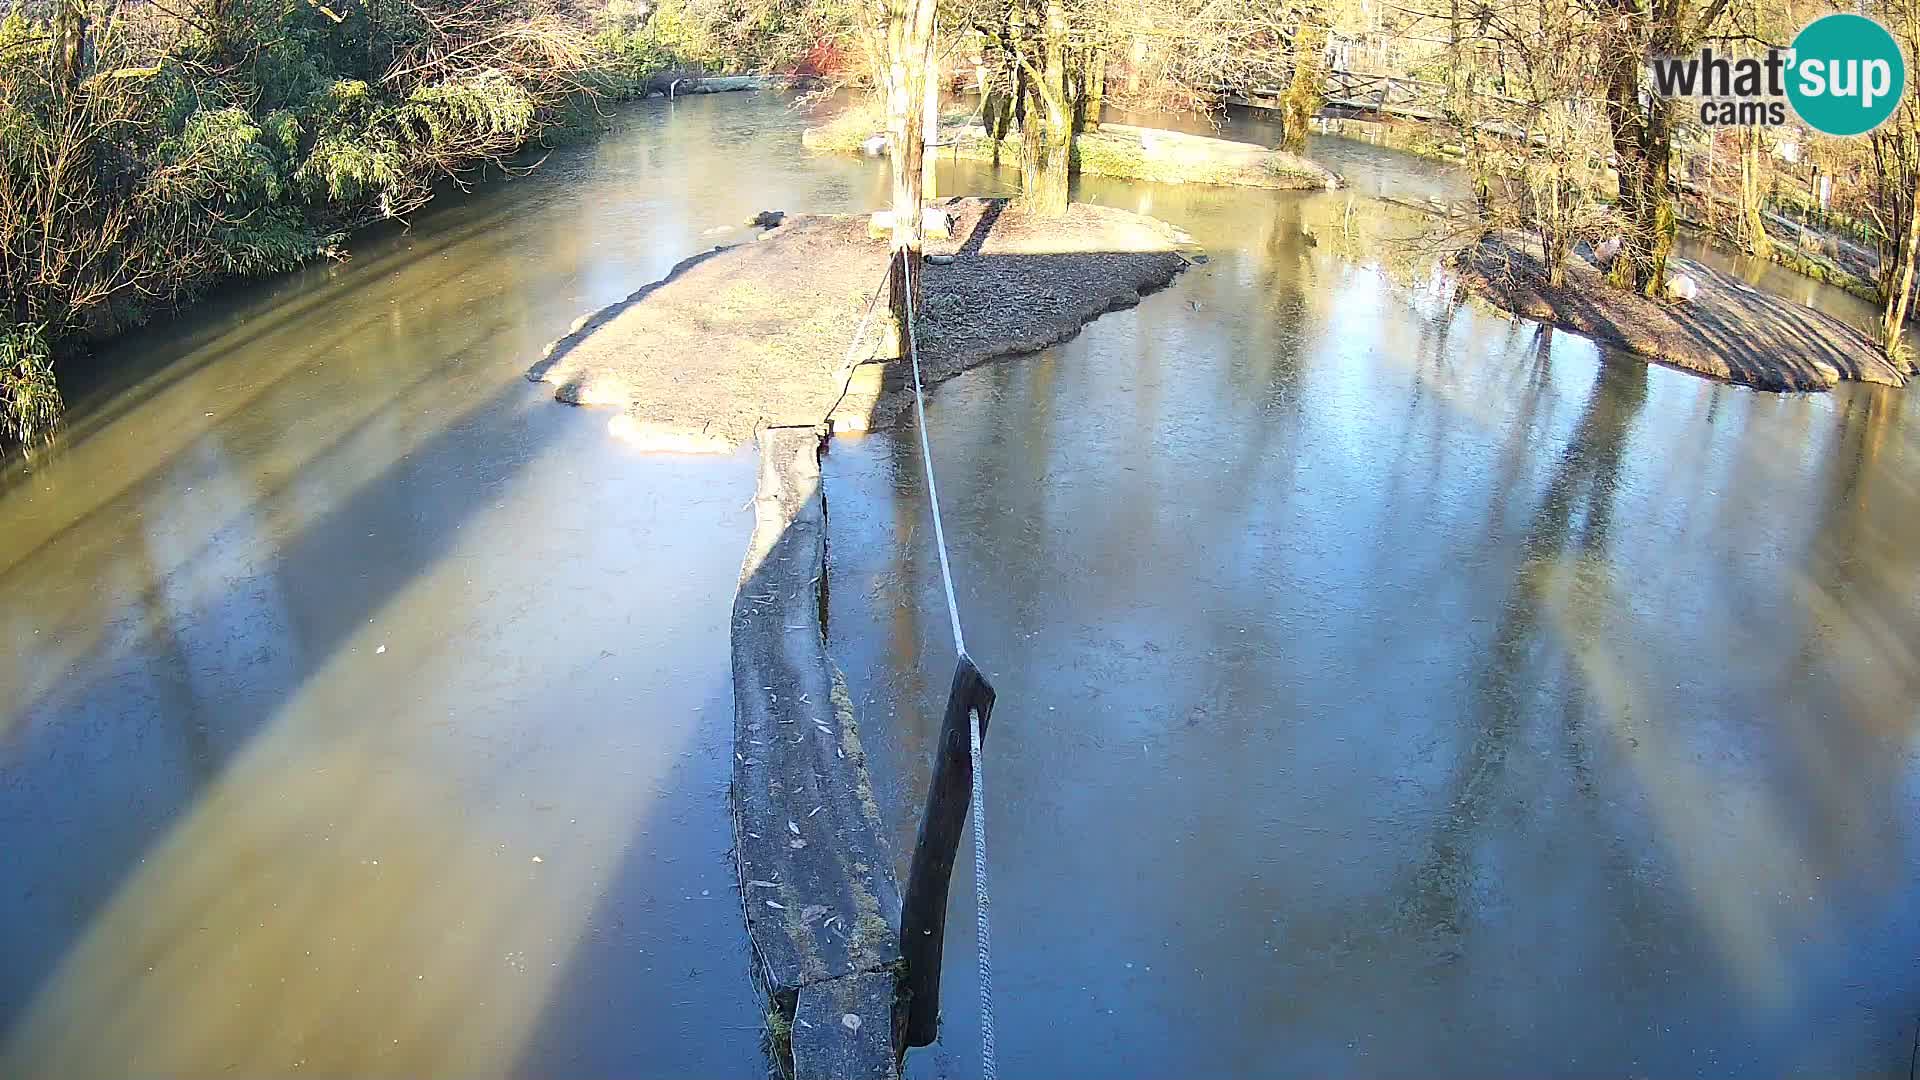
point(1846, 75)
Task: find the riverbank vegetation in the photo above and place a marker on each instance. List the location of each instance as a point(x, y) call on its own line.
point(1566, 141)
point(151, 147)
point(148, 149)
point(1550, 105)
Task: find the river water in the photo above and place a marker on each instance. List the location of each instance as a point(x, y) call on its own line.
point(364, 711)
point(1387, 687)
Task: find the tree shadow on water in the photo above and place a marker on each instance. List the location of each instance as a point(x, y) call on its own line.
point(110, 770)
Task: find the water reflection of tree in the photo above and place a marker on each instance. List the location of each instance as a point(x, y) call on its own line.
point(1266, 391)
point(1419, 923)
point(1575, 518)
point(1856, 639)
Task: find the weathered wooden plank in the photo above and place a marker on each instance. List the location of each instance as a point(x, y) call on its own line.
point(923, 918)
point(815, 872)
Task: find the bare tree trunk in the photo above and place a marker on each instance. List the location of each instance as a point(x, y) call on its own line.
point(1096, 95)
point(979, 61)
point(1896, 200)
point(1643, 133)
point(1713, 155)
point(930, 123)
point(1893, 316)
point(909, 41)
point(1047, 129)
point(1304, 90)
point(1462, 110)
point(69, 47)
point(1643, 150)
point(1046, 156)
point(1753, 225)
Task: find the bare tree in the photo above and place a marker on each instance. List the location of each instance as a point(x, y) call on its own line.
point(1305, 94)
point(909, 89)
point(1894, 181)
point(1642, 124)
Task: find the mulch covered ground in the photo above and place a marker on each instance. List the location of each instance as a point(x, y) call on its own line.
point(1729, 331)
point(758, 333)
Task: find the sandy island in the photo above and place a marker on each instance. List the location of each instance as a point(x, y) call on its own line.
point(1730, 331)
point(757, 334)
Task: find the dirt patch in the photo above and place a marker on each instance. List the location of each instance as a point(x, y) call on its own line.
point(1729, 331)
point(758, 334)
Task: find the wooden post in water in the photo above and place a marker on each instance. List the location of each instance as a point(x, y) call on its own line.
point(923, 914)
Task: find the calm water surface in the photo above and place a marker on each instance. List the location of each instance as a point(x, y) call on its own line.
point(1387, 688)
point(1391, 688)
point(362, 710)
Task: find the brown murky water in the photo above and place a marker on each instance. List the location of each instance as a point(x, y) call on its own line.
point(1390, 688)
point(365, 712)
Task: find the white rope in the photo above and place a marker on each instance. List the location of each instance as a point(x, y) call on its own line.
point(926, 455)
point(849, 365)
point(982, 933)
point(989, 1069)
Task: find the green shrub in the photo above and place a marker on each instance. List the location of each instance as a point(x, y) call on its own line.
point(249, 137)
point(347, 168)
point(488, 111)
point(29, 399)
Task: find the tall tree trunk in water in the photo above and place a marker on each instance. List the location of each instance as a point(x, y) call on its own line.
point(1305, 90)
point(909, 52)
point(1046, 131)
point(1753, 224)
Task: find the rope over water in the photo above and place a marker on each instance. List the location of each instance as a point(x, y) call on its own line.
point(981, 900)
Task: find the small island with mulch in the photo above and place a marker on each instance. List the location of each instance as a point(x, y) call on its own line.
point(758, 334)
point(1728, 330)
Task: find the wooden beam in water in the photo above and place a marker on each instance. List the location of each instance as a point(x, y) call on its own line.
point(923, 914)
